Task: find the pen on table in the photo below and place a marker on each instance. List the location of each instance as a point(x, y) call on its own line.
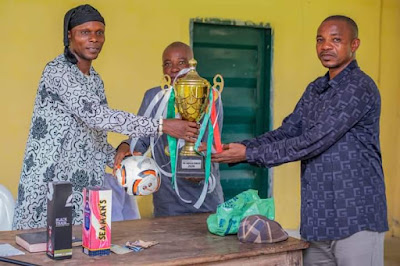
point(18, 262)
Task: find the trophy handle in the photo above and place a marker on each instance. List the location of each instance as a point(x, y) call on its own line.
point(219, 83)
point(165, 82)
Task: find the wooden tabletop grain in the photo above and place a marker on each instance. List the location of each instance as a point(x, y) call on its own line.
point(183, 240)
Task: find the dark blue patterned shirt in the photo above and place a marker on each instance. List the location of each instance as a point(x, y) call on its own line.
point(334, 131)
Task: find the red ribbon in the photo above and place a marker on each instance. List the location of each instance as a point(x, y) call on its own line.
point(217, 134)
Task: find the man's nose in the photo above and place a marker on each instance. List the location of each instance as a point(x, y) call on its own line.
point(326, 45)
point(93, 37)
point(175, 68)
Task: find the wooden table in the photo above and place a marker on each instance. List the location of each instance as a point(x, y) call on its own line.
point(183, 240)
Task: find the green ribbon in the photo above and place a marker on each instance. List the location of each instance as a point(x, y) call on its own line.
point(172, 140)
point(204, 125)
point(210, 137)
point(209, 147)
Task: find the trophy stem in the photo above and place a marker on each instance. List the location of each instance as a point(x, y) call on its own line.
point(188, 150)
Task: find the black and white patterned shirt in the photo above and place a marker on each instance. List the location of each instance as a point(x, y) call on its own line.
point(334, 131)
point(68, 139)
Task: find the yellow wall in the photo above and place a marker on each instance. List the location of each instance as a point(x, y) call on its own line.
point(136, 33)
point(389, 81)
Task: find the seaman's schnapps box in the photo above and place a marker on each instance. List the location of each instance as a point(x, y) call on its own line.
point(59, 220)
point(96, 227)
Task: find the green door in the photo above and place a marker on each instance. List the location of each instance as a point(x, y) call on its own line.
point(242, 55)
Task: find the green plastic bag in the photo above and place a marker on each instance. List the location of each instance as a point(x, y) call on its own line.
point(229, 214)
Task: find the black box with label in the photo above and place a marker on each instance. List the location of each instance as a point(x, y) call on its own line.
point(59, 220)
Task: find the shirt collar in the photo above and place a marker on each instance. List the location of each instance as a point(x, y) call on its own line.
point(92, 71)
point(324, 83)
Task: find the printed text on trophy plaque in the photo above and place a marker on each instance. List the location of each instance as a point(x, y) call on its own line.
point(191, 164)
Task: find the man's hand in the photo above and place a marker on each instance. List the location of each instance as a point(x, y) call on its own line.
point(181, 129)
point(202, 146)
point(122, 151)
point(232, 153)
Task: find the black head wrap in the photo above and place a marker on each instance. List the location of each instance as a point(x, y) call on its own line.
point(74, 17)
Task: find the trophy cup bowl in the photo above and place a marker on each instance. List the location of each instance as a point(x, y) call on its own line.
point(191, 99)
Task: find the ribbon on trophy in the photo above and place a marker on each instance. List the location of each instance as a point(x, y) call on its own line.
point(215, 113)
point(167, 109)
point(206, 124)
point(173, 147)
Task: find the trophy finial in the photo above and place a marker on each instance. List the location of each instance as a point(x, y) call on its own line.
point(193, 63)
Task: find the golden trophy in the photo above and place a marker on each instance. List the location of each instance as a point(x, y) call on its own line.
point(191, 100)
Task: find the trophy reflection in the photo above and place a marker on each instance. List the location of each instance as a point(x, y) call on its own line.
point(191, 100)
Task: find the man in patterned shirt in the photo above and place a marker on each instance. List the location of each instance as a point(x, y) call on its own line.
point(68, 134)
point(334, 131)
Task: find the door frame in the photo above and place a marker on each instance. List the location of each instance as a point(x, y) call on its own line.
point(250, 24)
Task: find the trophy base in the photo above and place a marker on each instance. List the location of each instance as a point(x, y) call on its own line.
point(190, 167)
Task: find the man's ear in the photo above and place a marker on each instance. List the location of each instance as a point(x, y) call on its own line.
point(355, 43)
point(69, 35)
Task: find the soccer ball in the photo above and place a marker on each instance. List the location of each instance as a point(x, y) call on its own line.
point(139, 175)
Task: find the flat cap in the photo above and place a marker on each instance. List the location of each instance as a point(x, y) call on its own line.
point(259, 229)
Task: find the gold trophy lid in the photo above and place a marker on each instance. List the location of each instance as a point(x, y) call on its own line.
point(192, 77)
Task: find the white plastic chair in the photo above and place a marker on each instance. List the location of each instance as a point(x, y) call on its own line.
point(7, 204)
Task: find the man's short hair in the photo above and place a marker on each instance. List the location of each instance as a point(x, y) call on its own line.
point(349, 21)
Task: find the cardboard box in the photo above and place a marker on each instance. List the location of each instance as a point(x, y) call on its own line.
point(59, 220)
point(96, 228)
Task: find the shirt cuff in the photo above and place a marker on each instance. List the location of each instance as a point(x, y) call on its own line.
point(250, 155)
point(258, 156)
